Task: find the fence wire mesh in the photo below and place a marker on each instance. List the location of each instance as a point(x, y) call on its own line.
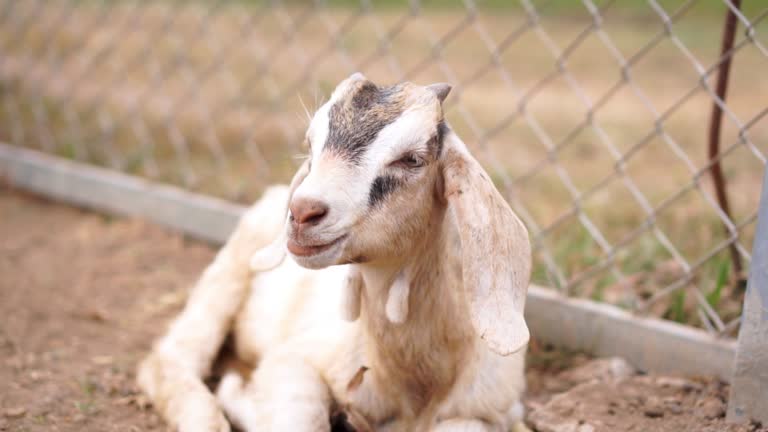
point(591, 116)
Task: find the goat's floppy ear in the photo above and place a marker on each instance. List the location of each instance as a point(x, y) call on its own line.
point(273, 254)
point(496, 251)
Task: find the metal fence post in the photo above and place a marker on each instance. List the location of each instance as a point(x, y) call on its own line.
point(749, 386)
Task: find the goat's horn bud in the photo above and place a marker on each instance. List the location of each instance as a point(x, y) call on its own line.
point(440, 90)
point(357, 76)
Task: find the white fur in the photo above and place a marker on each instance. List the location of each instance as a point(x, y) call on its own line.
point(287, 321)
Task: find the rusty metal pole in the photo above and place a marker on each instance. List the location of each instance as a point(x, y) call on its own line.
point(715, 121)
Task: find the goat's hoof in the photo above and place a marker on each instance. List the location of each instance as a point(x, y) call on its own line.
point(199, 412)
point(520, 427)
point(197, 424)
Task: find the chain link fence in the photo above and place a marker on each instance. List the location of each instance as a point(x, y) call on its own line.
point(593, 117)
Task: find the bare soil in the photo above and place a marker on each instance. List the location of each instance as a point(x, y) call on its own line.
point(598, 396)
point(82, 297)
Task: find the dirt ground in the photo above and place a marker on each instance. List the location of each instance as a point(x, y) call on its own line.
point(82, 296)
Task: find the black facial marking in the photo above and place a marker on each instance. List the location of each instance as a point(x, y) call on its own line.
point(437, 141)
point(381, 187)
point(356, 120)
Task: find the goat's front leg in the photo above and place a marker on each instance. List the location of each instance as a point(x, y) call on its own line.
point(285, 393)
point(474, 425)
point(172, 374)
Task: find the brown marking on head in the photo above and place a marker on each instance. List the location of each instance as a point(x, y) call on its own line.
point(356, 119)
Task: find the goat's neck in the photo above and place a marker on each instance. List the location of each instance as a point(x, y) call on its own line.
point(421, 357)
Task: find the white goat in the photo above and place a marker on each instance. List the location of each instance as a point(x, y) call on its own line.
point(426, 260)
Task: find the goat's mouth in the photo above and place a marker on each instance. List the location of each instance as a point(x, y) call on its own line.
point(310, 250)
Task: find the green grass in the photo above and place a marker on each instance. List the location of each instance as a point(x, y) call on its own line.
point(723, 275)
point(86, 407)
point(676, 311)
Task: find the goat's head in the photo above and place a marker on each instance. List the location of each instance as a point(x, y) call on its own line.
point(373, 154)
point(382, 166)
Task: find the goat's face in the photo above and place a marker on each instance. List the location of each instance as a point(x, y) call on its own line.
point(371, 182)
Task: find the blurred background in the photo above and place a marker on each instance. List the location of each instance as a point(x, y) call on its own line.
point(593, 117)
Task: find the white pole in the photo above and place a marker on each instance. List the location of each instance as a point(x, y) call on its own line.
point(749, 386)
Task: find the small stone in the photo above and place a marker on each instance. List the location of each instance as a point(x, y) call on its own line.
point(654, 412)
point(653, 408)
point(678, 383)
point(97, 315)
point(603, 370)
point(15, 412)
point(710, 408)
point(675, 409)
point(672, 405)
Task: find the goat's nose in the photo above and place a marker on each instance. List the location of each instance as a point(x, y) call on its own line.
point(308, 211)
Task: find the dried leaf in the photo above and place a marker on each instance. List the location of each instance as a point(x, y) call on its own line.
point(356, 380)
point(96, 314)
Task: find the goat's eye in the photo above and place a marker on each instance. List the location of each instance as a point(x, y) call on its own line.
point(409, 160)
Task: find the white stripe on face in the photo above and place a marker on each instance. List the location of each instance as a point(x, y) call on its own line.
point(318, 130)
point(411, 132)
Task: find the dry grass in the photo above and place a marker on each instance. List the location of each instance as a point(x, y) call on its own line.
point(211, 98)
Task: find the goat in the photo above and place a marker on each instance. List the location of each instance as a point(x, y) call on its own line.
point(391, 220)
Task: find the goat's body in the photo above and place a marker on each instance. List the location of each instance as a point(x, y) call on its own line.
point(293, 306)
point(293, 312)
point(288, 324)
point(423, 332)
